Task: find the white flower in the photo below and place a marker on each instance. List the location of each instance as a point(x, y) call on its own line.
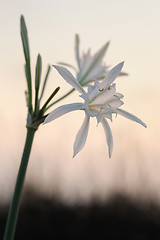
point(90, 67)
point(101, 101)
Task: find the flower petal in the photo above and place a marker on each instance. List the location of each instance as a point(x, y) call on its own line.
point(85, 62)
point(98, 72)
point(130, 116)
point(108, 134)
point(67, 65)
point(93, 63)
point(77, 51)
point(58, 112)
point(115, 103)
point(67, 75)
point(112, 75)
point(99, 55)
point(90, 88)
point(98, 97)
point(118, 95)
point(81, 136)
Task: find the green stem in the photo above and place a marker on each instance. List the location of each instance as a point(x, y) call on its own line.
point(72, 90)
point(49, 99)
point(14, 207)
point(45, 81)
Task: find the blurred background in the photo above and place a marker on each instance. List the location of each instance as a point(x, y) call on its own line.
point(133, 28)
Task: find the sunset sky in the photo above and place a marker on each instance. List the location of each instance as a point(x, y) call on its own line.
point(133, 28)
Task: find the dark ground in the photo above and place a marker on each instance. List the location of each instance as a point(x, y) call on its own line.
point(119, 218)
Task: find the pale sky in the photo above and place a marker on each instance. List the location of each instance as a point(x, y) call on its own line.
point(133, 28)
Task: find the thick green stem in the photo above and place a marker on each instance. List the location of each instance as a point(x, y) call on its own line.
point(14, 207)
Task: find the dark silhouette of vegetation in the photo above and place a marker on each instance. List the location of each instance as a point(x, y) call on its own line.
point(119, 218)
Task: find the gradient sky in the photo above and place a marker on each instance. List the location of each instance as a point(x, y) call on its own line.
point(133, 27)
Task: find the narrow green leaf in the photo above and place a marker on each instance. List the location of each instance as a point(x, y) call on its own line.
point(24, 36)
point(61, 98)
point(25, 44)
point(28, 77)
point(38, 72)
point(44, 83)
point(37, 80)
point(43, 109)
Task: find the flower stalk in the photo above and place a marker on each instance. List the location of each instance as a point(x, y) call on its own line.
point(15, 203)
point(34, 119)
